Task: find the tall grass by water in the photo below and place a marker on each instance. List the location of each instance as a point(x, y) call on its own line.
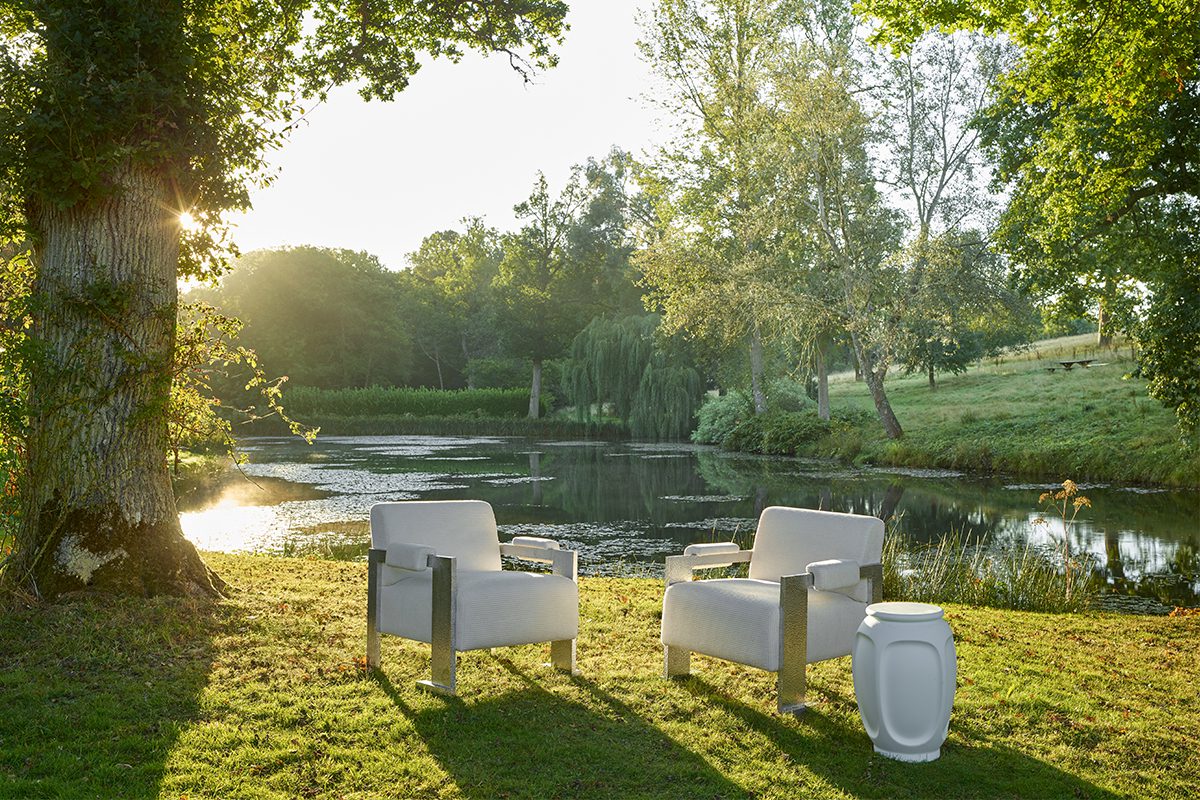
point(955, 570)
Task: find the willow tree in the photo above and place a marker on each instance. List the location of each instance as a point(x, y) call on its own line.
point(651, 384)
point(117, 117)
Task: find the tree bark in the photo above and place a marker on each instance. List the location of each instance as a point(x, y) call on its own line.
point(822, 384)
point(1103, 334)
point(932, 379)
point(99, 510)
point(757, 388)
point(467, 362)
point(883, 407)
point(535, 390)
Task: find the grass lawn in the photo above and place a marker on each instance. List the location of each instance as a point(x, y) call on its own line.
point(261, 696)
point(1017, 417)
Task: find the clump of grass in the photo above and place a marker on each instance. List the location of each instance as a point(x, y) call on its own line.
point(955, 570)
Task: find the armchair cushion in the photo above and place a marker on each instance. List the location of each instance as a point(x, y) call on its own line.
point(738, 619)
point(494, 608)
point(465, 529)
point(788, 539)
point(834, 574)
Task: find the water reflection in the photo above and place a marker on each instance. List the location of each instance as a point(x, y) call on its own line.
point(640, 502)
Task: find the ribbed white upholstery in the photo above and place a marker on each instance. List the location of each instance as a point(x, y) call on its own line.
point(495, 609)
point(789, 539)
point(738, 619)
point(465, 529)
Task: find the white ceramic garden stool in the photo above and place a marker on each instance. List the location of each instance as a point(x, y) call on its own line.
point(904, 677)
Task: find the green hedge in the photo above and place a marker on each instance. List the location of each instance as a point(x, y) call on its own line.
point(398, 425)
point(304, 402)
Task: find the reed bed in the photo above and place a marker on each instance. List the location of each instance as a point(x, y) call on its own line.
point(955, 570)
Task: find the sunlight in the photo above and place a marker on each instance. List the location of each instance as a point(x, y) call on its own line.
point(188, 222)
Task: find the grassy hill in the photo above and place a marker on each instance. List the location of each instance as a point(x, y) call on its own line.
point(1014, 415)
point(262, 696)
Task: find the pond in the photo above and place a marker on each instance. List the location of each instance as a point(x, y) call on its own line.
point(625, 506)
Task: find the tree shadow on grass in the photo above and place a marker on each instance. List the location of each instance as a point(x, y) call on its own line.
point(839, 751)
point(95, 691)
point(534, 743)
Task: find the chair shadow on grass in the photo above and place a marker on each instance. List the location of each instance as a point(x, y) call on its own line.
point(95, 691)
point(841, 753)
point(534, 743)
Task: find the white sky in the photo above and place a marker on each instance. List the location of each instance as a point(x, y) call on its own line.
point(464, 139)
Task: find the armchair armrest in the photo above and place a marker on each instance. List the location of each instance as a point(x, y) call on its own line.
point(834, 574)
point(543, 551)
point(411, 557)
point(679, 568)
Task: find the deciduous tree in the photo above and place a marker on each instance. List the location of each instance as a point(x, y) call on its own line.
point(115, 117)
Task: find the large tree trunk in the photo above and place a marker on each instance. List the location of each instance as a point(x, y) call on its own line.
point(822, 383)
point(99, 510)
point(757, 388)
point(874, 379)
point(929, 371)
point(535, 390)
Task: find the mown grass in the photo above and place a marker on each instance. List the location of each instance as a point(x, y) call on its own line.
point(1016, 417)
point(261, 696)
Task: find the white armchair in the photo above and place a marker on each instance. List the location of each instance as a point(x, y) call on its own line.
point(812, 574)
point(434, 576)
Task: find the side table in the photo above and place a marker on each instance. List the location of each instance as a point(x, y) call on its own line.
point(904, 677)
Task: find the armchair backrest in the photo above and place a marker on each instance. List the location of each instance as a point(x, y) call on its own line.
point(789, 539)
point(465, 529)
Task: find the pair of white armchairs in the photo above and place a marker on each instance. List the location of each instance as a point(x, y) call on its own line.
point(434, 575)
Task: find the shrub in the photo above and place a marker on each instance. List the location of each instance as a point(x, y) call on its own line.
point(787, 395)
point(746, 436)
point(777, 433)
point(719, 416)
point(786, 433)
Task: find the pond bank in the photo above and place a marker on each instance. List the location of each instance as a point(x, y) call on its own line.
point(262, 695)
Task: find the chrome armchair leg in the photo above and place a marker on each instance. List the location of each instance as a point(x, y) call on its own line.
point(374, 561)
point(677, 662)
point(792, 679)
point(443, 655)
point(562, 655)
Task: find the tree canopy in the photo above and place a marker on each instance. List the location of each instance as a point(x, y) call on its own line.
point(1095, 131)
point(117, 117)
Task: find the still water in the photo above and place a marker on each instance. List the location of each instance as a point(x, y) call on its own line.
point(625, 506)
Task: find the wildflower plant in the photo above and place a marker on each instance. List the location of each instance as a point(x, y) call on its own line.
point(1064, 504)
